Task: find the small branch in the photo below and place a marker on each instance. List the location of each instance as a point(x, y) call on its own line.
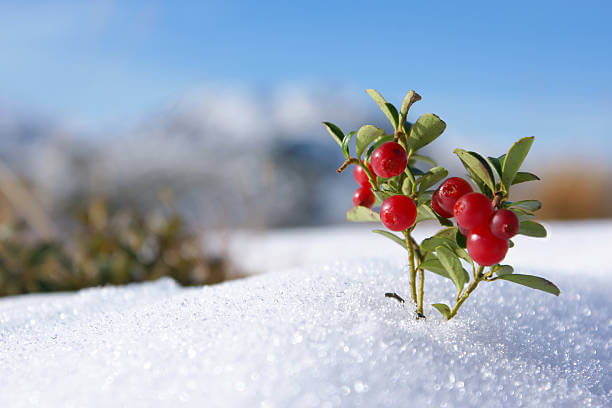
point(497, 200)
point(468, 291)
point(409, 245)
point(421, 292)
point(394, 296)
point(346, 164)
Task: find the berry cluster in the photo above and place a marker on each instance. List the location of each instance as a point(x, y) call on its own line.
point(389, 170)
point(398, 212)
point(487, 229)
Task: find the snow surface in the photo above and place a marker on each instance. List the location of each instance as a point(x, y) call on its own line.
point(322, 335)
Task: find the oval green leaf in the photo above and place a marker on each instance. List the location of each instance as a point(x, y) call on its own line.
point(523, 177)
point(514, 159)
point(534, 282)
point(362, 214)
point(334, 131)
point(430, 178)
point(532, 229)
point(451, 263)
point(366, 135)
point(443, 309)
point(425, 130)
point(392, 237)
point(388, 109)
point(476, 169)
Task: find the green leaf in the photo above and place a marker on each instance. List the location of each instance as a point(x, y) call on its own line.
point(407, 186)
point(334, 131)
point(392, 237)
point(461, 239)
point(497, 163)
point(529, 205)
point(443, 309)
point(432, 264)
point(410, 98)
point(425, 213)
point(391, 114)
point(532, 229)
point(366, 135)
point(425, 159)
point(449, 233)
point(522, 215)
point(523, 176)
point(431, 177)
point(345, 144)
point(501, 270)
point(514, 159)
point(424, 197)
point(410, 176)
point(451, 263)
point(425, 130)
point(476, 169)
point(534, 282)
point(510, 244)
point(486, 165)
point(430, 244)
point(362, 214)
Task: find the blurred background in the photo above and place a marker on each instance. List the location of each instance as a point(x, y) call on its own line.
point(133, 132)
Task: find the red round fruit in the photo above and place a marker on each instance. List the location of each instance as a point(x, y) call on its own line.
point(398, 213)
point(364, 197)
point(389, 160)
point(450, 191)
point(435, 204)
point(485, 248)
point(472, 210)
point(361, 177)
point(504, 224)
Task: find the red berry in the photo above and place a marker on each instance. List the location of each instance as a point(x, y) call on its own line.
point(364, 197)
point(389, 160)
point(472, 210)
point(398, 213)
point(435, 204)
point(504, 224)
point(450, 191)
point(485, 248)
point(361, 177)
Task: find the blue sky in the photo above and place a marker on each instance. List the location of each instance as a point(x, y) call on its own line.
point(505, 69)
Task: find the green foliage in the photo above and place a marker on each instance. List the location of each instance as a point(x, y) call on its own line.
point(107, 246)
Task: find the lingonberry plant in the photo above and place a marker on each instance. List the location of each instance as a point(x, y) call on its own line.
point(389, 170)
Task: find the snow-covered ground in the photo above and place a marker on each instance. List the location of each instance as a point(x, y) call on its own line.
point(316, 331)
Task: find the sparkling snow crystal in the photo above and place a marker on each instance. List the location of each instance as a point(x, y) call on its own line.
point(318, 336)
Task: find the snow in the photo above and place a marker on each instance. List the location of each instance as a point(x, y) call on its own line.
point(318, 332)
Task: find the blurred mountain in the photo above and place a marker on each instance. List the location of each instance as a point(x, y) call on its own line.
point(231, 156)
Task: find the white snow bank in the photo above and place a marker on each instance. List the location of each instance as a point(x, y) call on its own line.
point(571, 247)
point(318, 336)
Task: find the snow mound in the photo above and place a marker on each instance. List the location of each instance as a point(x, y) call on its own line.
point(321, 336)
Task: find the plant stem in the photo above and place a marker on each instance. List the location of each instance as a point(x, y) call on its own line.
point(409, 245)
point(479, 276)
point(421, 286)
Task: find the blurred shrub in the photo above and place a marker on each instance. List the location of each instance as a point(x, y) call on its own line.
point(105, 246)
point(574, 191)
